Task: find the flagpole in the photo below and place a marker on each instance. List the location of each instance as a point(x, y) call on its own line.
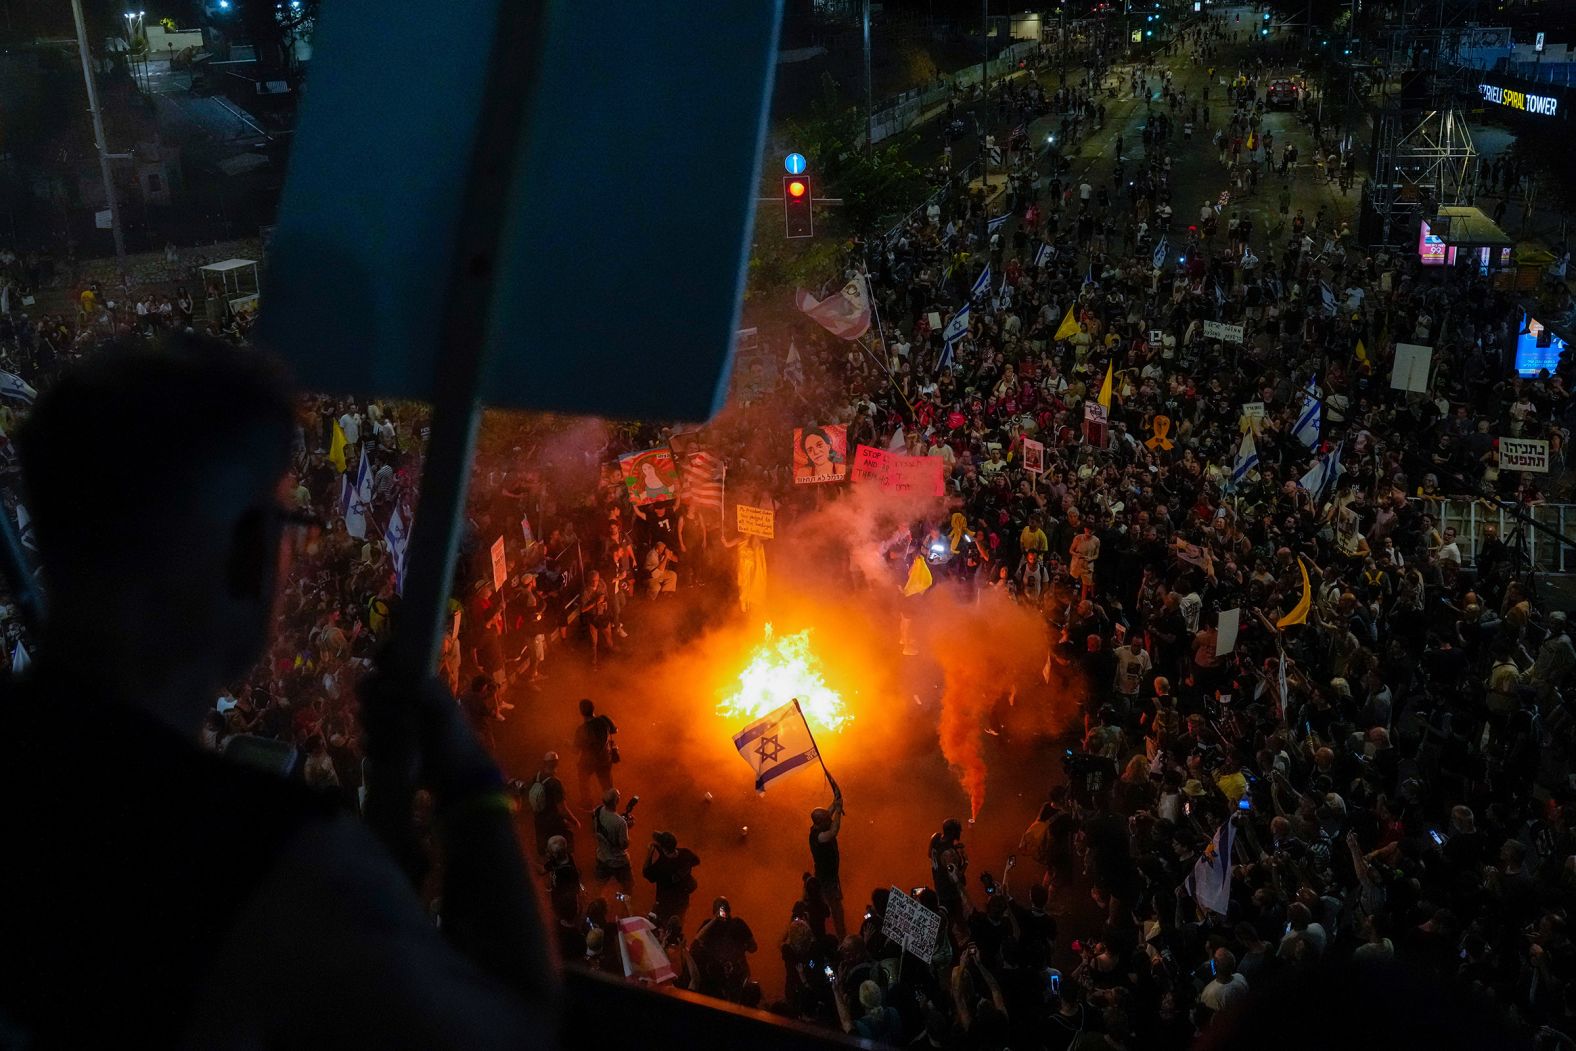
point(838, 792)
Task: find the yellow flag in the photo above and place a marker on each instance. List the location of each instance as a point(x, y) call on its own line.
point(919, 578)
point(1251, 140)
point(1362, 352)
point(336, 448)
point(1069, 326)
point(1105, 388)
point(1299, 615)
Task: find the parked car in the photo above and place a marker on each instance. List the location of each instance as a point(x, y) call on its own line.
point(1282, 94)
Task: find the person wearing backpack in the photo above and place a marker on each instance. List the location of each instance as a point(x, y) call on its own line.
point(549, 805)
point(598, 752)
point(669, 866)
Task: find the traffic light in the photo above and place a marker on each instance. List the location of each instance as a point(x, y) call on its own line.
point(797, 202)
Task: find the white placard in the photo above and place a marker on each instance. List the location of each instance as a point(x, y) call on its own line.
point(1524, 454)
point(1033, 456)
point(1253, 410)
point(1220, 330)
point(1226, 631)
point(500, 565)
point(1412, 364)
point(911, 925)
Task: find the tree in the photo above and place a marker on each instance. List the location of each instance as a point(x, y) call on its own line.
point(873, 184)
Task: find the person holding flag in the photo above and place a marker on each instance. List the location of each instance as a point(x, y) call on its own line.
point(1247, 459)
point(826, 858)
point(1308, 423)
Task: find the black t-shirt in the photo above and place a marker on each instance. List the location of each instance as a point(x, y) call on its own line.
point(826, 856)
point(672, 874)
point(591, 738)
point(125, 875)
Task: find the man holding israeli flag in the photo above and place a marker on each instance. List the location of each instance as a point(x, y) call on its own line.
point(1247, 459)
point(1308, 422)
point(981, 285)
point(1324, 474)
point(956, 329)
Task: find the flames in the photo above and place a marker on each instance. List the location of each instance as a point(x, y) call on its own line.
point(780, 670)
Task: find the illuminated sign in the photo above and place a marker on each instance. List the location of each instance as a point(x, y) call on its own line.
point(1430, 247)
point(1521, 101)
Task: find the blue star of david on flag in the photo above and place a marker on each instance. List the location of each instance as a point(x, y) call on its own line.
point(776, 744)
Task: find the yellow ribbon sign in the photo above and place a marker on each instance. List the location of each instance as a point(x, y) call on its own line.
point(1161, 427)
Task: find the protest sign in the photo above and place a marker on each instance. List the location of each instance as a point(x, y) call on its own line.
point(1217, 330)
point(500, 565)
point(1253, 410)
point(900, 474)
point(870, 464)
point(1033, 456)
point(650, 476)
point(910, 924)
point(1410, 370)
point(820, 454)
point(1226, 631)
point(1094, 423)
point(1524, 454)
point(917, 474)
point(756, 521)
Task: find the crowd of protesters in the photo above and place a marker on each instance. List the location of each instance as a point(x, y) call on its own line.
point(1387, 743)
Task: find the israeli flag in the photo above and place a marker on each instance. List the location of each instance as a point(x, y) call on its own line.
point(398, 536)
point(981, 284)
point(355, 502)
point(1160, 253)
point(997, 223)
point(1308, 423)
point(1324, 474)
point(777, 744)
point(1328, 296)
point(1043, 254)
point(956, 329)
point(14, 386)
point(1247, 459)
point(1210, 881)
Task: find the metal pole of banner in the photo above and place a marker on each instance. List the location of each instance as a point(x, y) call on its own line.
point(413, 652)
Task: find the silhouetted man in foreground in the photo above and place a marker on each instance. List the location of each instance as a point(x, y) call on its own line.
point(173, 898)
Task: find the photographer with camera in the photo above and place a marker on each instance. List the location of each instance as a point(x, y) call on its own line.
point(721, 949)
point(612, 840)
point(669, 866)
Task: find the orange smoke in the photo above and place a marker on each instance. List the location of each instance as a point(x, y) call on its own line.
point(989, 651)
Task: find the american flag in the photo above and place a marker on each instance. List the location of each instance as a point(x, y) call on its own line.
point(701, 472)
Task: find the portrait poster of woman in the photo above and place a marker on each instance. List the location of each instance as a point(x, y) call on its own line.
point(820, 454)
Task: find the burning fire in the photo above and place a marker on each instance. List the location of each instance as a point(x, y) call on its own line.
point(780, 670)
